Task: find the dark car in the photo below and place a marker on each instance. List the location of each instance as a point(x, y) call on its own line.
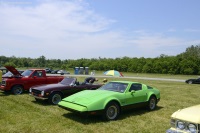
point(54, 93)
point(193, 81)
point(48, 70)
point(54, 71)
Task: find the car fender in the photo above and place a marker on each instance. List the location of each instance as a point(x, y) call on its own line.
point(56, 91)
point(17, 84)
point(109, 100)
point(150, 94)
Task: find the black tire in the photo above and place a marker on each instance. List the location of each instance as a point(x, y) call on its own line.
point(17, 89)
point(152, 103)
point(111, 111)
point(190, 82)
point(55, 98)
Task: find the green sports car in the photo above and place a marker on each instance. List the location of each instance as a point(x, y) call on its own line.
point(110, 99)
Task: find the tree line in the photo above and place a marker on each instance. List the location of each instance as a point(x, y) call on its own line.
point(187, 62)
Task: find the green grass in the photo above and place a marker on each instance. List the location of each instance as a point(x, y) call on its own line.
point(21, 114)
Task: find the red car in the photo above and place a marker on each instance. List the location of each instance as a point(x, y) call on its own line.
point(22, 82)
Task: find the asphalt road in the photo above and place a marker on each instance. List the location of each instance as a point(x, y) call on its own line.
point(125, 77)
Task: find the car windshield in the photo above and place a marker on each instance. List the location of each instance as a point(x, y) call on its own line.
point(27, 73)
point(68, 81)
point(114, 86)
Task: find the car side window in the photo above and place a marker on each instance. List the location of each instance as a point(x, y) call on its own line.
point(38, 74)
point(135, 87)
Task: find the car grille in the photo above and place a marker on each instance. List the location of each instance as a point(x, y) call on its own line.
point(36, 91)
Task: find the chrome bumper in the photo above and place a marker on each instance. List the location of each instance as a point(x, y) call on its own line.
point(41, 98)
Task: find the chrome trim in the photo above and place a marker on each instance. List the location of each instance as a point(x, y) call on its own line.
point(42, 98)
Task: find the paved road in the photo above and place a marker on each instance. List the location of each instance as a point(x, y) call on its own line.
point(144, 78)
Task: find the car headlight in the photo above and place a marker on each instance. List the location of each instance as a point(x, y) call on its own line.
point(30, 90)
point(42, 93)
point(192, 128)
point(181, 125)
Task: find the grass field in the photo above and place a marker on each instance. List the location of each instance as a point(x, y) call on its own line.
point(21, 114)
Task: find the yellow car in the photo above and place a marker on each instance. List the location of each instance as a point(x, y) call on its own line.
point(185, 120)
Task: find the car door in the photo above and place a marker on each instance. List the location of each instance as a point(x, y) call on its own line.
point(37, 78)
point(136, 94)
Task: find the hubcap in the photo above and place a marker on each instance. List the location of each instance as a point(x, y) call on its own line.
point(112, 112)
point(56, 99)
point(18, 91)
point(152, 103)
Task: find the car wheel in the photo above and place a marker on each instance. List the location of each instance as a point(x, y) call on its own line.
point(190, 82)
point(111, 111)
point(152, 103)
point(55, 98)
point(17, 89)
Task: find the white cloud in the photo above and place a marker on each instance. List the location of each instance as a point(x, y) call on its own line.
point(70, 29)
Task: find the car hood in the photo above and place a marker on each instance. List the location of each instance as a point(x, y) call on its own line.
point(48, 86)
point(190, 114)
point(13, 70)
point(87, 97)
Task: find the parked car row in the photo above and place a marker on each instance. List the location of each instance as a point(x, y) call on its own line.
point(108, 100)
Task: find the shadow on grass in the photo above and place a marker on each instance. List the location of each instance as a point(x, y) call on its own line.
point(83, 119)
point(5, 93)
point(98, 118)
point(41, 102)
point(136, 112)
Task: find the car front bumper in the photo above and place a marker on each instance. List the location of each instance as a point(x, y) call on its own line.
point(3, 88)
point(173, 130)
point(38, 97)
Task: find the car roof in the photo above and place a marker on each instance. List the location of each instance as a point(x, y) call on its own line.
point(125, 82)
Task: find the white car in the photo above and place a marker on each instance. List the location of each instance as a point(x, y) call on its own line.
point(185, 120)
point(62, 72)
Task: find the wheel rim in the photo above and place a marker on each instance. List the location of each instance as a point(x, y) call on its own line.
point(112, 112)
point(152, 103)
point(56, 99)
point(18, 90)
point(190, 82)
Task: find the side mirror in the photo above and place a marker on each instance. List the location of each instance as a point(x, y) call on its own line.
point(132, 91)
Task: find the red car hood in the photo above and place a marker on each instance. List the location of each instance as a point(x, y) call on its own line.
point(13, 70)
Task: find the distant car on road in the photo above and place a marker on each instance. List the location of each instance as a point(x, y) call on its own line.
point(55, 92)
point(62, 72)
point(48, 70)
point(54, 71)
point(193, 81)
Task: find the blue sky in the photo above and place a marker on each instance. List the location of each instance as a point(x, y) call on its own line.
point(74, 29)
